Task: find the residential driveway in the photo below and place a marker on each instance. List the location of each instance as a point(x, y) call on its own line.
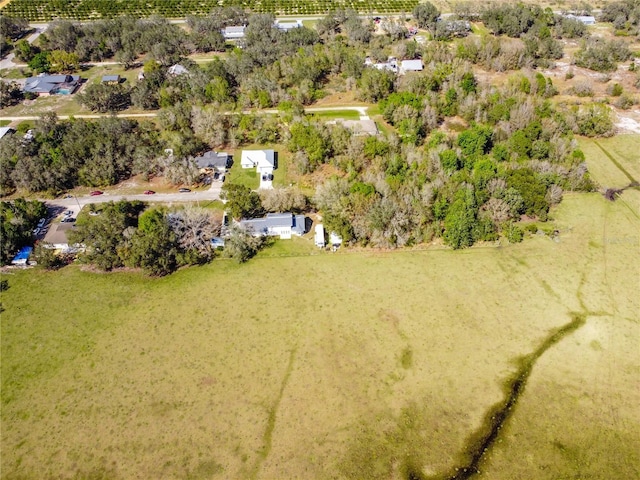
point(266, 184)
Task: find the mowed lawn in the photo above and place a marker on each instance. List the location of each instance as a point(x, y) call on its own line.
point(346, 365)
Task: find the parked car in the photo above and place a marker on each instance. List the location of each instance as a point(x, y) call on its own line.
point(68, 213)
point(264, 178)
point(96, 193)
point(149, 192)
point(184, 190)
point(42, 222)
point(36, 231)
point(270, 177)
point(68, 220)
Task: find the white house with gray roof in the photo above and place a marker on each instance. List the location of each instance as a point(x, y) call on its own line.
point(281, 225)
point(264, 161)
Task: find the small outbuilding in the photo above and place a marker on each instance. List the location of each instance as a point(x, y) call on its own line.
point(111, 79)
point(335, 240)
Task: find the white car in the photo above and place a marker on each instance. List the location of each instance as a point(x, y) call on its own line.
point(36, 231)
point(42, 222)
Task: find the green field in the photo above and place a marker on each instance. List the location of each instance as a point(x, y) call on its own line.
point(614, 162)
point(45, 10)
point(358, 364)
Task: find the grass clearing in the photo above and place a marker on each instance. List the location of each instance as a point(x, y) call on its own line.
point(336, 114)
point(242, 176)
point(182, 376)
point(310, 364)
point(613, 160)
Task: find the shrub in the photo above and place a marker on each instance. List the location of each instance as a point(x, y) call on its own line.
point(614, 90)
point(582, 89)
point(513, 233)
point(595, 121)
point(625, 102)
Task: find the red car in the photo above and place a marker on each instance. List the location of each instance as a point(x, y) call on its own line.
point(149, 192)
point(95, 193)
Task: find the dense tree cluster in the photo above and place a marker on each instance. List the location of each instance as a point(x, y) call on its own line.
point(514, 158)
point(64, 154)
point(157, 240)
point(625, 16)
point(17, 221)
point(11, 30)
point(602, 55)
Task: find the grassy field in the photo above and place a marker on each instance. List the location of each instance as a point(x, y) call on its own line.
point(358, 364)
point(336, 114)
point(615, 161)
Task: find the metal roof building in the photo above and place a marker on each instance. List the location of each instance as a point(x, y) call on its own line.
point(276, 224)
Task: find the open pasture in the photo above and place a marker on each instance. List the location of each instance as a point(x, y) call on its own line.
point(347, 365)
point(615, 161)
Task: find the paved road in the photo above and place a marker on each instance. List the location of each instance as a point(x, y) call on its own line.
point(8, 62)
point(77, 202)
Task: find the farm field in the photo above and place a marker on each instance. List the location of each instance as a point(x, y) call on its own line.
point(358, 364)
point(45, 10)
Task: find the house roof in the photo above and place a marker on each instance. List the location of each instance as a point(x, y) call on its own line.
point(288, 24)
point(586, 19)
point(275, 220)
point(177, 69)
point(234, 31)
point(365, 127)
point(48, 83)
point(259, 158)
point(411, 65)
point(111, 78)
point(57, 234)
point(6, 131)
point(213, 159)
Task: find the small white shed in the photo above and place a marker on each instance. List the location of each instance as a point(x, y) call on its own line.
point(319, 236)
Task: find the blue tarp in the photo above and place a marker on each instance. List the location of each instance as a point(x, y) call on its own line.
point(23, 255)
